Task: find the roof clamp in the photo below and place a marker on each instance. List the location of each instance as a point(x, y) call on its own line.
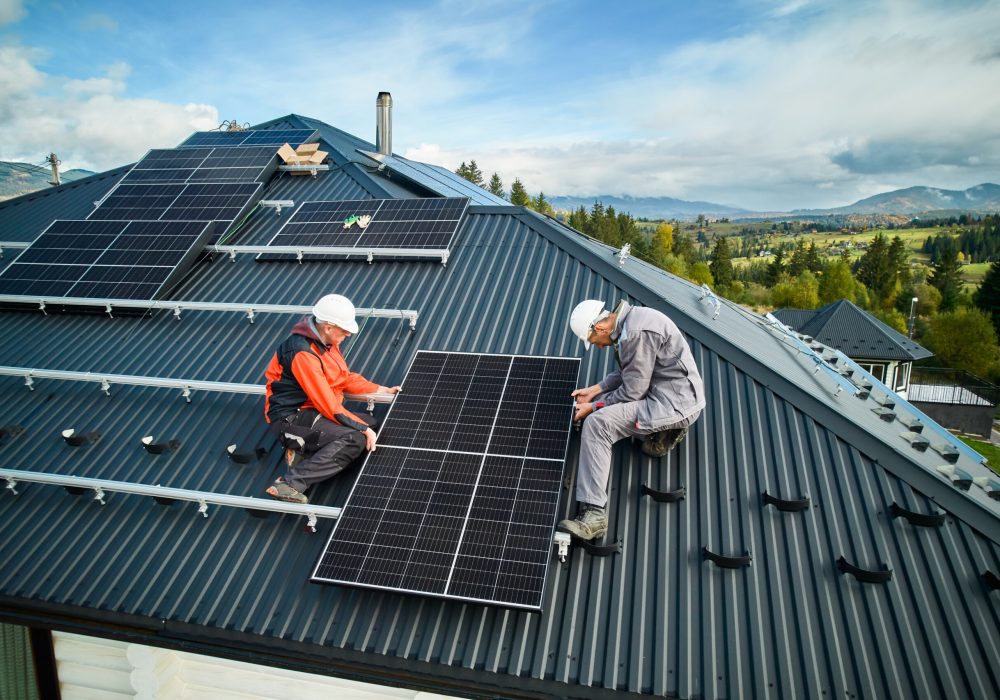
point(106, 387)
point(311, 523)
point(41, 307)
point(709, 295)
point(186, 393)
point(562, 540)
point(413, 321)
point(1, 252)
point(623, 254)
point(371, 257)
point(11, 483)
point(107, 310)
point(203, 508)
point(232, 255)
point(444, 257)
point(177, 312)
point(99, 495)
point(29, 382)
point(298, 256)
point(250, 315)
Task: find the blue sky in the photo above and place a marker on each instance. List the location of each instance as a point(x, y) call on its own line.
point(764, 105)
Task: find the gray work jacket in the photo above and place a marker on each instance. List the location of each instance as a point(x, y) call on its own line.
point(657, 369)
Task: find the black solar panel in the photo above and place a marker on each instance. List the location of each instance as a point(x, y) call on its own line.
point(459, 500)
point(223, 164)
point(428, 223)
point(272, 137)
point(170, 202)
point(106, 259)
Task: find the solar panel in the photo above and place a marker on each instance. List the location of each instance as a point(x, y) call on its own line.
point(106, 259)
point(459, 500)
point(428, 223)
point(265, 137)
point(169, 202)
point(222, 164)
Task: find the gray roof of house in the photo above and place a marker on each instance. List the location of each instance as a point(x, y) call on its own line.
point(655, 619)
point(853, 331)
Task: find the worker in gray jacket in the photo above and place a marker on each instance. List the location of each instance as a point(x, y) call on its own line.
point(656, 393)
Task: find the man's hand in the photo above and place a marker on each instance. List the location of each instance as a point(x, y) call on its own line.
point(586, 395)
point(389, 389)
point(369, 440)
point(582, 411)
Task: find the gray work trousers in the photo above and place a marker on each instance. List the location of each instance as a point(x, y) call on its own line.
point(601, 430)
point(336, 447)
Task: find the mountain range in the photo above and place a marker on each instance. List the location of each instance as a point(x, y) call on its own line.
point(909, 201)
point(21, 178)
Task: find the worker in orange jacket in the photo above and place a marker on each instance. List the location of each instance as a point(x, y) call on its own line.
point(304, 406)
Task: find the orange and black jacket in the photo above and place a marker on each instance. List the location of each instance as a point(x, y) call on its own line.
point(305, 373)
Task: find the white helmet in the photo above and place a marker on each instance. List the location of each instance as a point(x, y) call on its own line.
point(585, 315)
point(338, 310)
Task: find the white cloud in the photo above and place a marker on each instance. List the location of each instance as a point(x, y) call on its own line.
point(798, 112)
point(87, 122)
point(97, 22)
point(11, 11)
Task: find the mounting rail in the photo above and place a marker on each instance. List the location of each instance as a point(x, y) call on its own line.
point(301, 251)
point(250, 309)
point(187, 386)
point(101, 487)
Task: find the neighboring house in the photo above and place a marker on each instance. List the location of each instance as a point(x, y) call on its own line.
point(796, 473)
point(883, 352)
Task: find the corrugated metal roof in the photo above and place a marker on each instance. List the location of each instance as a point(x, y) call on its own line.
point(853, 331)
point(656, 619)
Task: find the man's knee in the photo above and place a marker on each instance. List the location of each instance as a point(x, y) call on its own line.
point(595, 426)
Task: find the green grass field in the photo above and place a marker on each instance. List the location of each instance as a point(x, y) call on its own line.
point(988, 450)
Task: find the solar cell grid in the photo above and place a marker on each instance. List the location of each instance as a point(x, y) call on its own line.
point(428, 223)
point(444, 509)
point(260, 137)
point(221, 164)
point(104, 259)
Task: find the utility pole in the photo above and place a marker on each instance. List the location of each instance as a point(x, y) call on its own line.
point(53, 160)
point(913, 308)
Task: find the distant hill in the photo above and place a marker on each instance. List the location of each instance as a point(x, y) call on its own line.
point(21, 178)
point(649, 207)
point(920, 200)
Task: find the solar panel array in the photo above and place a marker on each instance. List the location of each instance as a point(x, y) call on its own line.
point(204, 165)
point(105, 259)
point(428, 223)
point(459, 500)
point(192, 202)
point(272, 137)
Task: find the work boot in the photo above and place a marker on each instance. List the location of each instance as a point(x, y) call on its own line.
point(590, 523)
point(281, 490)
point(659, 444)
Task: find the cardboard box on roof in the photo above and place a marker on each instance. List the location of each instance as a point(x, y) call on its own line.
point(307, 149)
point(288, 154)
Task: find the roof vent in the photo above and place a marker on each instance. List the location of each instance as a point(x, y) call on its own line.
point(383, 123)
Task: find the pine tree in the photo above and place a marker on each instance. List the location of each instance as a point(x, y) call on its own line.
point(797, 264)
point(722, 263)
point(987, 297)
point(541, 205)
point(877, 271)
point(813, 261)
point(496, 186)
point(463, 171)
point(578, 219)
point(683, 247)
point(775, 268)
point(947, 276)
point(518, 195)
point(475, 175)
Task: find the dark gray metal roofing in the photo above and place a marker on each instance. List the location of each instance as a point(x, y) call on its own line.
point(654, 620)
point(853, 331)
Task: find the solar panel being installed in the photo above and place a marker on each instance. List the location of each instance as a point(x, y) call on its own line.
point(204, 165)
point(106, 259)
point(460, 498)
point(264, 137)
point(427, 223)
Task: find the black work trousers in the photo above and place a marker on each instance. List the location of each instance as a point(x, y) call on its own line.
point(329, 446)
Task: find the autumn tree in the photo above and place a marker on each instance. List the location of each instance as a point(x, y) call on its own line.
point(964, 339)
point(800, 292)
point(837, 282)
point(663, 243)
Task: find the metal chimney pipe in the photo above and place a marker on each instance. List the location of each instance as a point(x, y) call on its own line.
point(53, 160)
point(383, 123)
